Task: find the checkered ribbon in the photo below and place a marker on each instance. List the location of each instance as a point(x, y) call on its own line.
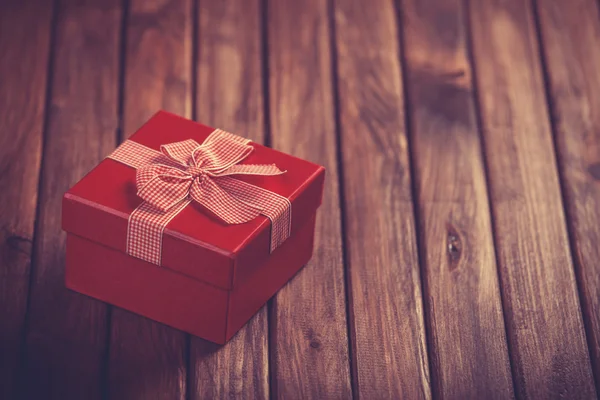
point(186, 171)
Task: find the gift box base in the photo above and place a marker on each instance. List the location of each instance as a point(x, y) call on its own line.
point(177, 300)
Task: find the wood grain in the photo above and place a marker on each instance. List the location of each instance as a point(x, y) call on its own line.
point(309, 344)
point(24, 51)
point(547, 340)
point(389, 341)
point(466, 327)
point(66, 339)
point(229, 96)
point(571, 44)
point(148, 359)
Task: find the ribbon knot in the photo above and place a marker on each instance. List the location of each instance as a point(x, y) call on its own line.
point(195, 171)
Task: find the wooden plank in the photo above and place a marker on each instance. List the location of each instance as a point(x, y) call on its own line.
point(158, 60)
point(466, 327)
point(389, 352)
point(66, 339)
point(548, 347)
point(148, 359)
point(571, 44)
point(229, 96)
point(24, 45)
point(308, 316)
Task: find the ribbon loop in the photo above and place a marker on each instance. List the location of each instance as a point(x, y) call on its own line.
point(220, 202)
point(220, 154)
point(180, 152)
point(162, 186)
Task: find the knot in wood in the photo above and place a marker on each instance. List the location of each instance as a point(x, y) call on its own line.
point(454, 247)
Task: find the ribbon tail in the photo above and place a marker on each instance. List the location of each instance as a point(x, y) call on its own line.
point(272, 205)
point(180, 152)
point(220, 151)
point(161, 186)
point(225, 206)
point(252, 169)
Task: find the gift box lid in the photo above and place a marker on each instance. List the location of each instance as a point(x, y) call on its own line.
point(195, 243)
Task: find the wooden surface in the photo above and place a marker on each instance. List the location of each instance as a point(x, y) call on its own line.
point(25, 58)
point(147, 359)
point(544, 324)
point(385, 304)
point(571, 44)
point(457, 251)
point(65, 335)
point(467, 338)
point(308, 329)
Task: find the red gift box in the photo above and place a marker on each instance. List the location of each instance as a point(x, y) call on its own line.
point(213, 277)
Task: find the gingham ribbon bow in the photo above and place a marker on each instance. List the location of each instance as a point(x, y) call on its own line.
point(186, 171)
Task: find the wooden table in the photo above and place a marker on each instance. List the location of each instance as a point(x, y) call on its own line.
point(458, 244)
